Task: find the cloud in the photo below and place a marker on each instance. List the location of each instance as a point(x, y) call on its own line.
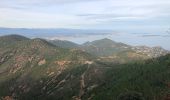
point(38, 3)
point(130, 9)
point(84, 13)
point(151, 35)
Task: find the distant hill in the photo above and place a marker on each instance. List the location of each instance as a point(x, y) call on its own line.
point(151, 51)
point(64, 43)
point(104, 47)
point(11, 39)
point(111, 51)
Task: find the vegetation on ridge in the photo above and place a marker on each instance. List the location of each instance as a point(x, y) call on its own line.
point(34, 69)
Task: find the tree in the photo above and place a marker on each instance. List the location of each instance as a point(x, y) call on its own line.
point(130, 95)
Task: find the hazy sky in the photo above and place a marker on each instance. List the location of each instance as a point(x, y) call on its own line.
point(125, 15)
point(143, 22)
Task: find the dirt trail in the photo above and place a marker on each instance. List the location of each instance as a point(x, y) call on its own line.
point(82, 83)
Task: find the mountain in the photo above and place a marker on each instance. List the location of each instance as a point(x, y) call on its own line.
point(143, 80)
point(35, 69)
point(111, 51)
point(104, 47)
point(10, 39)
point(13, 38)
point(151, 51)
point(64, 43)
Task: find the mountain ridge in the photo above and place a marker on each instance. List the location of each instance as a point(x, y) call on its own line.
point(107, 47)
point(34, 69)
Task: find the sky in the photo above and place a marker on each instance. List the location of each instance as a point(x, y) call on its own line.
point(145, 17)
point(124, 15)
